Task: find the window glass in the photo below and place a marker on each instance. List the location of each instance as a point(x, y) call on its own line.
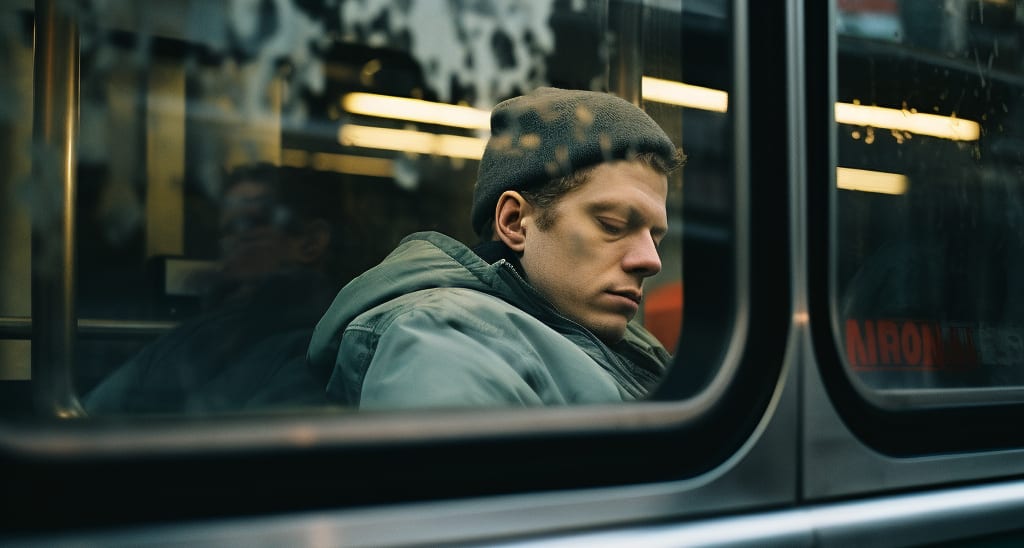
point(929, 205)
point(15, 136)
point(237, 163)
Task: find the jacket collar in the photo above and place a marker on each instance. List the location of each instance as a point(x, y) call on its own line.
point(496, 250)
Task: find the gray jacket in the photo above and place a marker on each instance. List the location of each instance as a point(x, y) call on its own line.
point(435, 325)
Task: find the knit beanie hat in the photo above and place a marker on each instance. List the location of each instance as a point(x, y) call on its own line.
point(550, 133)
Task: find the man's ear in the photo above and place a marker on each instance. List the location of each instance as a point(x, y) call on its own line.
point(313, 243)
point(509, 216)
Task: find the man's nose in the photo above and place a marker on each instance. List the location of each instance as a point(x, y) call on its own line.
point(642, 257)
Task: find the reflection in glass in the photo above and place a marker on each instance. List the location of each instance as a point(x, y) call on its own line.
point(176, 99)
point(929, 277)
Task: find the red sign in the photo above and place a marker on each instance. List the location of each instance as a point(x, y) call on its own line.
point(910, 345)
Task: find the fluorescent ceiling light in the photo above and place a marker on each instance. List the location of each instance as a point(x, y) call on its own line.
point(871, 181)
point(416, 110)
point(663, 91)
point(678, 93)
point(406, 140)
point(947, 127)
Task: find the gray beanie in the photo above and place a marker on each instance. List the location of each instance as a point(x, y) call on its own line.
point(550, 133)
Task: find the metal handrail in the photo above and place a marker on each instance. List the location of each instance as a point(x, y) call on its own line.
point(54, 160)
point(20, 328)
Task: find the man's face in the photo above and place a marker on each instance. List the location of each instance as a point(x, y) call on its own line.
point(592, 261)
point(253, 243)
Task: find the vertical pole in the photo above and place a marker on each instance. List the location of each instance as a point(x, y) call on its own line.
point(626, 54)
point(54, 158)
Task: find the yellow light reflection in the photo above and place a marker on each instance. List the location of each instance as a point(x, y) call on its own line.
point(291, 157)
point(416, 110)
point(678, 93)
point(418, 142)
point(654, 89)
point(340, 163)
point(946, 127)
point(871, 181)
point(670, 92)
point(353, 165)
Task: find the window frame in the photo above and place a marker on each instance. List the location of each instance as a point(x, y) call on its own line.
point(218, 467)
point(893, 424)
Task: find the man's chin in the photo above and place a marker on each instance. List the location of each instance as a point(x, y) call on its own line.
point(609, 334)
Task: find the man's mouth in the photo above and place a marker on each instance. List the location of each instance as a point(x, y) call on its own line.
point(631, 294)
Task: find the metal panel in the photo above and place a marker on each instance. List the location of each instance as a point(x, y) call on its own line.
point(763, 474)
point(903, 520)
point(829, 446)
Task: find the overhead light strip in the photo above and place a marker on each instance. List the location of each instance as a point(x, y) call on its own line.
point(946, 127)
point(405, 140)
point(430, 112)
point(416, 110)
point(871, 181)
point(686, 95)
point(654, 89)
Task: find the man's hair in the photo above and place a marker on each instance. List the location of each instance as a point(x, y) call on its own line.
point(547, 196)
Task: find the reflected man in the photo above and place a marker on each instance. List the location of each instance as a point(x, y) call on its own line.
point(570, 205)
point(246, 349)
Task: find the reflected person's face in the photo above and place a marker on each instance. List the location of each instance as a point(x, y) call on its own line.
point(253, 243)
point(591, 263)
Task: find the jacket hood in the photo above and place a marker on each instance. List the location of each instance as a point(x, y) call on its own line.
point(423, 260)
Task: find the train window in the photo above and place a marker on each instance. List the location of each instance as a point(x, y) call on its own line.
point(929, 209)
point(234, 164)
point(15, 129)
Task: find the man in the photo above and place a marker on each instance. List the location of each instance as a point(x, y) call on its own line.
point(570, 201)
point(246, 349)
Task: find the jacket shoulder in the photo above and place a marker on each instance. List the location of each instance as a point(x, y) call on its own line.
point(461, 347)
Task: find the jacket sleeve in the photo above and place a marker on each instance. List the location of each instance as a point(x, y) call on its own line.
point(430, 358)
